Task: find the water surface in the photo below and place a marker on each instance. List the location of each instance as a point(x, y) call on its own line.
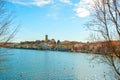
point(21, 64)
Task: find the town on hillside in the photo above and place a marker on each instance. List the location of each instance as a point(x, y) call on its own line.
point(71, 46)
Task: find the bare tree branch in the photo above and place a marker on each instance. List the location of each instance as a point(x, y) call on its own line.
point(106, 17)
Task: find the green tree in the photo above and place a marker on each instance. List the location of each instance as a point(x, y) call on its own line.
point(58, 42)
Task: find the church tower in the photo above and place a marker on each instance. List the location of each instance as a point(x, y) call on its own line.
point(46, 37)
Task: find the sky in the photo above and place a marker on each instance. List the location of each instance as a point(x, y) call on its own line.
point(59, 19)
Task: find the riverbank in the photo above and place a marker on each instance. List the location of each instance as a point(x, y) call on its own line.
point(69, 46)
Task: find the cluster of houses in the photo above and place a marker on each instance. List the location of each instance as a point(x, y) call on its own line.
point(49, 45)
point(73, 46)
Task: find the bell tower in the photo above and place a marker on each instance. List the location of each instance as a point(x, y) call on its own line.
point(46, 37)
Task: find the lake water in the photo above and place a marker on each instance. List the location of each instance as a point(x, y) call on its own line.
point(21, 64)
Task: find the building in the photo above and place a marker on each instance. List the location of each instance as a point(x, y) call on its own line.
point(46, 37)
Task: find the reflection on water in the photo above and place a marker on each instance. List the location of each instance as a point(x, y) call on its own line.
point(49, 65)
point(3, 58)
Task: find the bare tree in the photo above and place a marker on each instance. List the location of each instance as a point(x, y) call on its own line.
point(7, 29)
point(106, 22)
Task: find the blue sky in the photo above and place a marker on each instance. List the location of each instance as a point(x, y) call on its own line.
point(60, 19)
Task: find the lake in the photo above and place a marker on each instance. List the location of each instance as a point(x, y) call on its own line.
point(22, 64)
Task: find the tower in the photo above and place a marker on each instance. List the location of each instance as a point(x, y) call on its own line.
point(46, 37)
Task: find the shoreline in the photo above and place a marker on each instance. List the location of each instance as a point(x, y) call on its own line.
point(45, 50)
